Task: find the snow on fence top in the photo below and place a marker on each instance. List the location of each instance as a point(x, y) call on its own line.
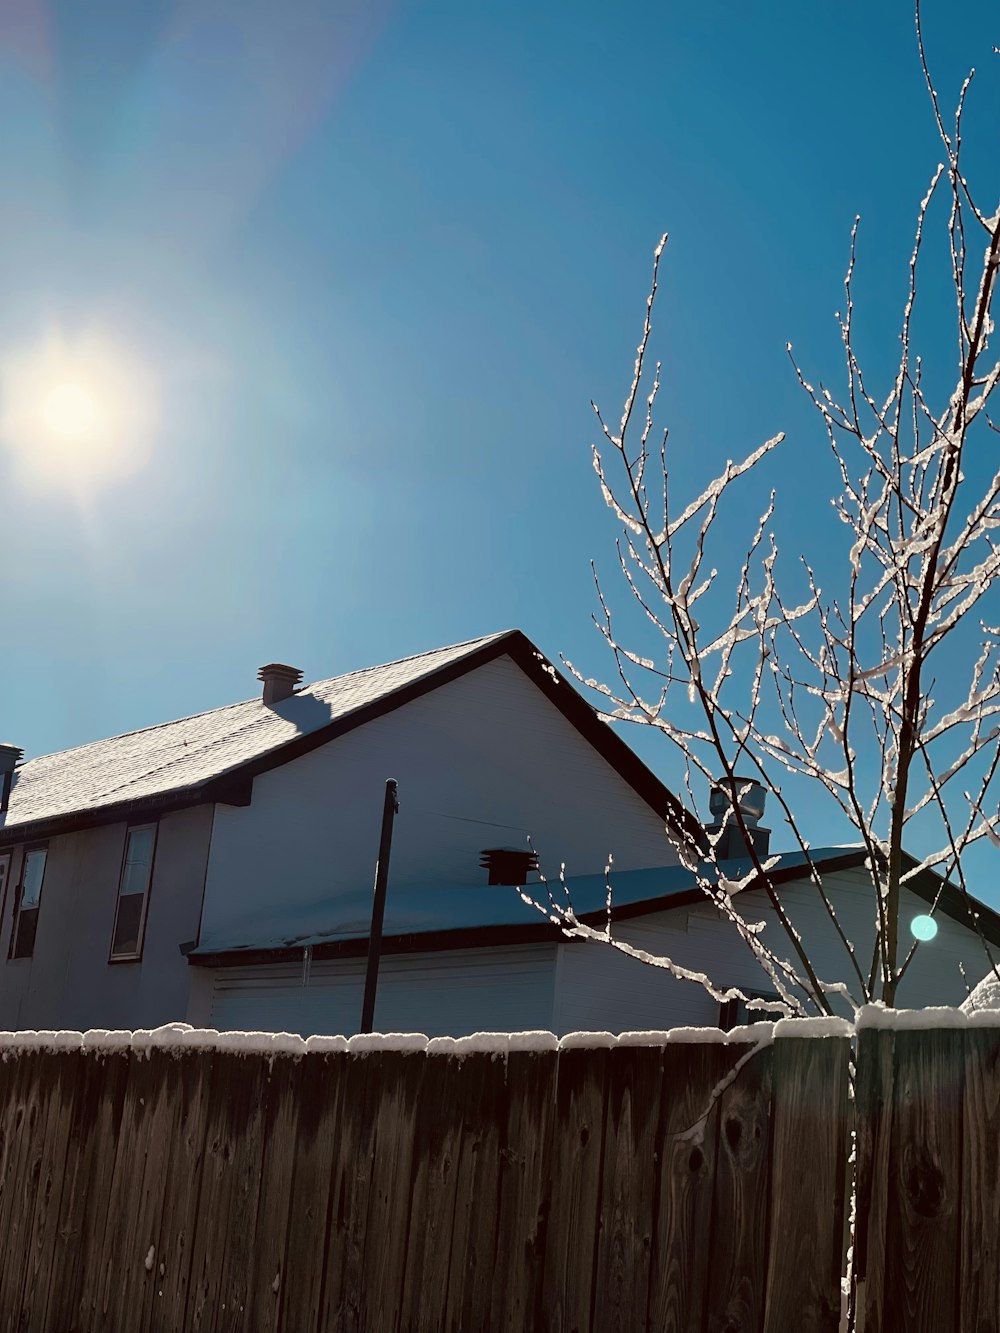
point(182, 1037)
point(179, 1037)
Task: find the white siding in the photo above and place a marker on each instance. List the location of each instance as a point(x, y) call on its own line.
point(587, 986)
point(447, 994)
point(481, 762)
point(69, 983)
point(598, 987)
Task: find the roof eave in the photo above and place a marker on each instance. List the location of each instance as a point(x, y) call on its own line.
point(231, 789)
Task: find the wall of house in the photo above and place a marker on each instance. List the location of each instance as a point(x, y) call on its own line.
point(587, 985)
point(444, 994)
point(598, 987)
point(68, 982)
point(484, 761)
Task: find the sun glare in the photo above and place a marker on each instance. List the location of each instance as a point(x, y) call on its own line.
point(78, 412)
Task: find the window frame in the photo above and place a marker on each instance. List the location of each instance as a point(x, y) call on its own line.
point(6, 855)
point(26, 852)
point(135, 957)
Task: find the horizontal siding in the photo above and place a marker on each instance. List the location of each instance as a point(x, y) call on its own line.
point(599, 987)
point(586, 986)
point(68, 982)
point(448, 994)
point(484, 761)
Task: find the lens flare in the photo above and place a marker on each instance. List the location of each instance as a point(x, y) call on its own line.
point(77, 412)
point(923, 927)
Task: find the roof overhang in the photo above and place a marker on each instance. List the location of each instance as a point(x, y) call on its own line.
point(232, 789)
point(951, 901)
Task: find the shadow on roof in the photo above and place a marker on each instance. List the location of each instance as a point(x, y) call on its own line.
point(305, 712)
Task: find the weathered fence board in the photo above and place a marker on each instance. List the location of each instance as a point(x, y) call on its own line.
point(45, 1165)
point(679, 1264)
point(30, 1087)
point(317, 1139)
point(193, 1072)
point(477, 1193)
point(90, 1151)
point(807, 1187)
point(242, 1158)
point(574, 1211)
point(145, 1139)
point(671, 1187)
point(923, 1222)
point(979, 1275)
point(630, 1148)
point(740, 1222)
point(342, 1259)
point(281, 1109)
point(432, 1206)
point(874, 1095)
point(525, 1153)
point(39, 1271)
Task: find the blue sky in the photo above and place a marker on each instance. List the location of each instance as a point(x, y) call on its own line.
point(379, 257)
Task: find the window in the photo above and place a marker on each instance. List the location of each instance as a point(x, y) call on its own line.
point(133, 892)
point(29, 895)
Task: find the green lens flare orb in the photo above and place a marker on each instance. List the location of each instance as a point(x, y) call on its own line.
point(923, 927)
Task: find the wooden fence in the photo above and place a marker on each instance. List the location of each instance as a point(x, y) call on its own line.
point(574, 1189)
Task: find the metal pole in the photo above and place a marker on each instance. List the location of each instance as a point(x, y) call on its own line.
point(389, 811)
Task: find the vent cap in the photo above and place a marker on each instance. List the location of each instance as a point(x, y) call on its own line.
point(279, 680)
point(508, 865)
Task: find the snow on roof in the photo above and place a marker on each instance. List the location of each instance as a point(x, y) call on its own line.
point(984, 996)
point(176, 756)
point(424, 910)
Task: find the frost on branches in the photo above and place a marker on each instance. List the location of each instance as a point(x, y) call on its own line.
point(881, 691)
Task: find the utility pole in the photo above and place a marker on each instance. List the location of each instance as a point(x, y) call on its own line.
point(389, 812)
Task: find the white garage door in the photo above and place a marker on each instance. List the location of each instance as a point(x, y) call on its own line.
point(442, 994)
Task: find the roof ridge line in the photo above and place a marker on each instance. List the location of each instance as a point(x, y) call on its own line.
point(242, 703)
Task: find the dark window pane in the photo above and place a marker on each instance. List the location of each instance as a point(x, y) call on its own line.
point(27, 922)
point(126, 939)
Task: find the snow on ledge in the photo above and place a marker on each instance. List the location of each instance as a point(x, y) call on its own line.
point(574, 1041)
point(923, 1020)
point(813, 1027)
point(363, 1042)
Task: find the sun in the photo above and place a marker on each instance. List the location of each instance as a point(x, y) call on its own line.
point(78, 411)
point(71, 411)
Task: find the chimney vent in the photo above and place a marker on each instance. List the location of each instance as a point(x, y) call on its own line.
point(10, 757)
point(279, 680)
point(508, 865)
point(724, 831)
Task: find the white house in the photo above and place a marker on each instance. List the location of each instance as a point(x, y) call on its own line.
point(120, 858)
point(219, 868)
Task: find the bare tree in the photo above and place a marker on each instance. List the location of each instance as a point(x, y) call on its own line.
point(751, 683)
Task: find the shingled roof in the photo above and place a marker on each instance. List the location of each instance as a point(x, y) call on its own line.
point(214, 756)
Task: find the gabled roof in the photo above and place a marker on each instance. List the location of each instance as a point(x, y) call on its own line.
point(426, 919)
point(214, 756)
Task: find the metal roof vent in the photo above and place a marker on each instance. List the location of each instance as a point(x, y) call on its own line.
point(10, 757)
point(279, 680)
point(508, 865)
point(724, 831)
